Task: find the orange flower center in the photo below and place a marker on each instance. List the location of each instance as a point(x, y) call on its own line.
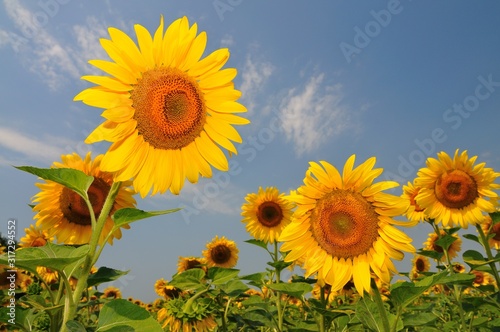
point(344, 224)
point(220, 254)
point(169, 108)
point(39, 242)
point(479, 277)
point(420, 265)
point(496, 230)
point(456, 189)
point(192, 264)
point(269, 214)
point(73, 205)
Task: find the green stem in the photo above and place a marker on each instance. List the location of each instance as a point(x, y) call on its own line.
point(70, 310)
point(278, 293)
point(486, 245)
point(322, 316)
point(381, 308)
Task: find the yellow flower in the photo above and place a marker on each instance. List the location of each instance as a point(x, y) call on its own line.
point(202, 322)
point(221, 252)
point(482, 279)
point(420, 265)
point(112, 292)
point(63, 213)
point(456, 192)
point(414, 213)
point(187, 263)
point(162, 288)
point(343, 225)
point(453, 250)
point(48, 276)
point(266, 214)
point(35, 237)
point(494, 230)
point(167, 112)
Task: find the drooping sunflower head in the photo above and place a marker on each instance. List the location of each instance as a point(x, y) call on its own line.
point(163, 289)
point(414, 213)
point(35, 237)
point(221, 252)
point(453, 249)
point(168, 111)
point(456, 192)
point(266, 214)
point(187, 263)
point(343, 225)
point(63, 213)
point(175, 317)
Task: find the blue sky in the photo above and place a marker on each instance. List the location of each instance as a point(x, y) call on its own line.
point(399, 80)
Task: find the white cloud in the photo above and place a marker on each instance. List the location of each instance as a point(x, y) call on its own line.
point(33, 149)
point(313, 115)
point(227, 41)
point(254, 75)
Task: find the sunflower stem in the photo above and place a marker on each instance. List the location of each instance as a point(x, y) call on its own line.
point(70, 310)
point(278, 293)
point(489, 254)
point(381, 308)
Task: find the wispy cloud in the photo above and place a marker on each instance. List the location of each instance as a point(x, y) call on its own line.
point(32, 150)
point(254, 75)
point(45, 55)
point(313, 114)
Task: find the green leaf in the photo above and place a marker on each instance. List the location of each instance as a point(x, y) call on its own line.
point(104, 274)
point(128, 215)
point(220, 275)
point(446, 241)
point(472, 237)
point(53, 256)
point(458, 278)
point(368, 313)
point(74, 326)
point(495, 217)
point(234, 288)
point(279, 265)
point(40, 303)
point(191, 279)
point(259, 276)
point(73, 179)
point(431, 254)
point(121, 315)
point(473, 258)
point(419, 319)
point(404, 293)
point(296, 289)
point(257, 243)
point(21, 318)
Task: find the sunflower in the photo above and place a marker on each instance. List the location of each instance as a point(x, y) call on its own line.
point(414, 213)
point(187, 263)
point(162, 288)
point(167, 112)
point(458, 268)
point(266, 214)
point(174, 316)
point(343, 225)
point(63, 213)
point(48, 276)
point(482, 278)
point(221, 252)
point(111, 293)
point(494, 230)
point(456, 192)
point(35, 237)
point(453, 250)
point(420, 265)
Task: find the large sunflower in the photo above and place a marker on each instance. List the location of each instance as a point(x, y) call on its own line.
point(343, 226)
point(167, 112)
point(221, 252)
point(456, 192)
point(266, 213)
point(63, 213)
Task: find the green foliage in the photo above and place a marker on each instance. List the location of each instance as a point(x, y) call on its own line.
point(121, 315)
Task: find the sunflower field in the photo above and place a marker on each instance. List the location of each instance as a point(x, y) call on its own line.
point(171, 114)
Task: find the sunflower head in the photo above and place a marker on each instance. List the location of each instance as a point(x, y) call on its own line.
point(453, 249)
point(63, 214)
point(266, 214)
point(177, 319)
point(169, 113)
point(456, 192)
point(343, 226)
point(187, 263)
point(112, 293)
point(492, 230)
point(415, 212)
point(482, 278)
point(35, 237)
point(48, 276)
point(221, 252)
point(163, 289)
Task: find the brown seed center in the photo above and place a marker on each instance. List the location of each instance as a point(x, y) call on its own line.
point(169, 108)
point(220, 254)
point(456, 189)
point(269, 214)
point(344, 224)
point(73, 205)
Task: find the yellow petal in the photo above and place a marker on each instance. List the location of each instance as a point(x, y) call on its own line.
point(115, 70)
point(211, 152)
point(108, 82)
point(125, 43)
point(209, 64)
point(145, 42)
point(220, 78)
point(195, 52)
